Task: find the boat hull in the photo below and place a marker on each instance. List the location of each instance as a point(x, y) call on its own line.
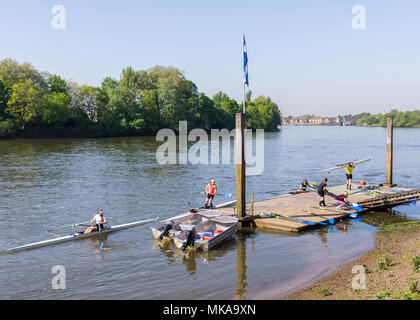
point(206, 245)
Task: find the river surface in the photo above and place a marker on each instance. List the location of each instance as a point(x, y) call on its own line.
point(47, 184)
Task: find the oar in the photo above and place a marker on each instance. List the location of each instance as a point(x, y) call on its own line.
point(279, 216)
point(330, 220)
point(100, 234)
point(73, 225)
point(226, 195)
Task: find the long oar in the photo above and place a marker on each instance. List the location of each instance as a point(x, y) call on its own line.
point(310, 185)
point(280, 216)
point(330, 220)
point(73, 225)
point(100, 234)
point(226, 195)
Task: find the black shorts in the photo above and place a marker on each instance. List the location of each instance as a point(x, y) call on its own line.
point(97, 226)
point(349, 176)
point(210, 196)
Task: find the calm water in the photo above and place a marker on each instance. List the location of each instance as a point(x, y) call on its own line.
point(51, 183)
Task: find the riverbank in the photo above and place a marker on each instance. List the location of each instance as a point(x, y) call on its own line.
point(392, 270)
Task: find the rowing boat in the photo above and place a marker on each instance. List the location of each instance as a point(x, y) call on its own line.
point(344, 165)
point(80, 235)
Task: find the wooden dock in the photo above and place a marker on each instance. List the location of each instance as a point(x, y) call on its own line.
point(299, 211)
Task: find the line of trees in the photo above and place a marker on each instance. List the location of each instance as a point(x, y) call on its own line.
point(34, 103)
point(402, 119)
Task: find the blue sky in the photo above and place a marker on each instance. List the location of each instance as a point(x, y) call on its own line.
point(305, 55)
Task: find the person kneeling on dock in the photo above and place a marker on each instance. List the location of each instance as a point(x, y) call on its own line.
point(211, 190)
point(342, 201)
point(99, 221)
point(322, 189)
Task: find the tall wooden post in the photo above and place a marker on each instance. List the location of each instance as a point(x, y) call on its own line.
point(240, 165)
point(389, 151)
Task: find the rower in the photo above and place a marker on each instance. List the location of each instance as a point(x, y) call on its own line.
point(349, 174)
point(99, 221)
point(303, 185)
point(211, 190)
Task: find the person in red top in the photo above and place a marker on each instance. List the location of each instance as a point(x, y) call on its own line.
point(211, 190)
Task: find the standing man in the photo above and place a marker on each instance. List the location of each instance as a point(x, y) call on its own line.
point(349, 174)
point(99, 221)
point(322, 189)
point(211, 190)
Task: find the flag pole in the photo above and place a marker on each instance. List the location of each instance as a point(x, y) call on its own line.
point(243, 64)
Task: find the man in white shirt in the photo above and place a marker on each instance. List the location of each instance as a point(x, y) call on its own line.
point(99, 221)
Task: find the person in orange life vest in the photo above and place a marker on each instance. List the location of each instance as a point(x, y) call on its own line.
point(211, 190)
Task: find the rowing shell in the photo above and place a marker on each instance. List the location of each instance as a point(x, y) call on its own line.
point(344, 165)
point(78, 235)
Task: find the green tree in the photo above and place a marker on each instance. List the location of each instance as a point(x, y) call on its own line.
point(55, 111)
point(57, 84)
point(264, 114)
point(12, 73)
point(25, 102)
point(5, 92)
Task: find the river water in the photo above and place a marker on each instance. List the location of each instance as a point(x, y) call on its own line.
point(47, 184)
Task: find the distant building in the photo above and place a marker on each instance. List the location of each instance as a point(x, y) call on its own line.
point(315, 120)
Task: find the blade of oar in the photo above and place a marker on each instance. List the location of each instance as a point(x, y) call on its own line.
point(330, 220)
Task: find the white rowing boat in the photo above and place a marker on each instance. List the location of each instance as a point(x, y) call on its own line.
point(344, 165)
point(80, 235)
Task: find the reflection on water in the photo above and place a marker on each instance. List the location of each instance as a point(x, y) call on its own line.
point(382, 218)
point(190, 257)
point(240, 267)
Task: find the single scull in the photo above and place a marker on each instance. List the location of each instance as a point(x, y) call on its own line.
point(80, 235)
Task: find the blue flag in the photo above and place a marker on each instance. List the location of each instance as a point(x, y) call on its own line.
point(245, 63)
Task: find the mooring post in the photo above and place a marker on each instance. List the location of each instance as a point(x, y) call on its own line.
point(251, 211)
point(240, 165)
point(389, 150)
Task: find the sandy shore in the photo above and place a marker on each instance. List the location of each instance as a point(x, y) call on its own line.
point(389, 271)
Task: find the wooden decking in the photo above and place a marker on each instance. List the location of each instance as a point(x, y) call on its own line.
point(300, 211)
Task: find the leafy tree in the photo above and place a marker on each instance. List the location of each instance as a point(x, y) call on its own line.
point(12, 73)
point(263, 114)
point(25, 102)
point(5, 92)
point(57, 84)
point(56, 111)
